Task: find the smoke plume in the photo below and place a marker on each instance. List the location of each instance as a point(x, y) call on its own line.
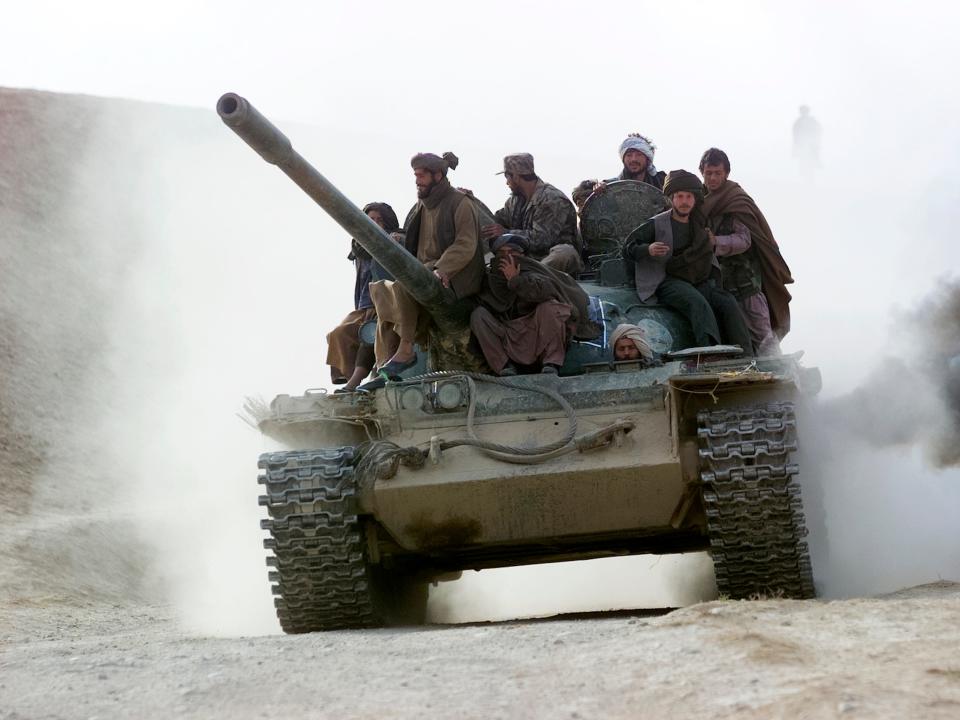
point(913, 397)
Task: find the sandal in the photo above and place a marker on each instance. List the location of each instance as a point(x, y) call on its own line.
point(392, 369)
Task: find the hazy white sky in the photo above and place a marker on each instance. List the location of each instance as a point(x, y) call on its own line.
point(528, 66)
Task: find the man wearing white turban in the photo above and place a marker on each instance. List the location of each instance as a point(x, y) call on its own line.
point(636, 154)
point(629, 342)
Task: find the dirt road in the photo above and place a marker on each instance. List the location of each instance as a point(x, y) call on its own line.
point(890, 657)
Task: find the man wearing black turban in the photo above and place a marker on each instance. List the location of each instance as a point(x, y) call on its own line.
point(674, 263)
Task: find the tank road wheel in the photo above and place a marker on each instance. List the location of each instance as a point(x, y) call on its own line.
point(754, 510)
point(320, 569)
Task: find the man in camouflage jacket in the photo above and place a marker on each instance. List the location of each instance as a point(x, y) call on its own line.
point(540, 213)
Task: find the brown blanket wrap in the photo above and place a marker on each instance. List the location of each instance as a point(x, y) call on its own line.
point(733, 199)
point(552, 284)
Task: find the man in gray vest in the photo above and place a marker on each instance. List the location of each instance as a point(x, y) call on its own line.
point(675, 265)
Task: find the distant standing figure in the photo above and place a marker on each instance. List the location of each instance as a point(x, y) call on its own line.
point(806, 140)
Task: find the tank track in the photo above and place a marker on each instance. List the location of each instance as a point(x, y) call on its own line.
point(318, 560)
point(753, 505)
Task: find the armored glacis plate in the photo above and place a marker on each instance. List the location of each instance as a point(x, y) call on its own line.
point(609, 216)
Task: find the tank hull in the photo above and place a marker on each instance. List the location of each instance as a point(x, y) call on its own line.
point(636, 492)
point(466, 499)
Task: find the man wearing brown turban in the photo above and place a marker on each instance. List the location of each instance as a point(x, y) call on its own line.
point(674, 263)
point(442, 231)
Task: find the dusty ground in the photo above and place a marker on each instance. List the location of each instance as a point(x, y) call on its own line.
point(889, 657)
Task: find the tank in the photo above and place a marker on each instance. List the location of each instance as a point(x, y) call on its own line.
point(377, 494)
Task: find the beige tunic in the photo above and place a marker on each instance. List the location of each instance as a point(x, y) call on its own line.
point(397, 311)
point(464, 246)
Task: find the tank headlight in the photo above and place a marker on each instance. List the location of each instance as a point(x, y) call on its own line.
point(449, 396)
point(411, 398)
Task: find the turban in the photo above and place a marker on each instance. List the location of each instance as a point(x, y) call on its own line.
point(518, 241)
point(636, 334)
point(638, 142)
point(680, 180)
point(386, 213)
point(435, 163)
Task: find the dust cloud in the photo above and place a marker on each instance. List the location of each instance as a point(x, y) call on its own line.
point(147, 292)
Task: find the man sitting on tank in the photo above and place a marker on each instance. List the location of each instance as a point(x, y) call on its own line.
point(443, 232)
point(636, 154)
point(528, 311)
point(629, 342)
point(754, 271)
point(350, 360)
point(674, 264)
point(541, 213)
point(581, 192)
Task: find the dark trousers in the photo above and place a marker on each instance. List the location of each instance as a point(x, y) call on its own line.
point(713, 313)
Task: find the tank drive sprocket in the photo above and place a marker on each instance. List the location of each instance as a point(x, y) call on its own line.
point(322, 575)
point(753, 504)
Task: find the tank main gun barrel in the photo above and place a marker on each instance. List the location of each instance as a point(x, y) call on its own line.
point(274, 147)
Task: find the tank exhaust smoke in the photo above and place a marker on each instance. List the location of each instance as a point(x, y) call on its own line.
point(913, 398)
point(880, 462)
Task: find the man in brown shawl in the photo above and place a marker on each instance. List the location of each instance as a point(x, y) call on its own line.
point(443, 232)
point(528, 311)
point(754, 271)
point(674, 263)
